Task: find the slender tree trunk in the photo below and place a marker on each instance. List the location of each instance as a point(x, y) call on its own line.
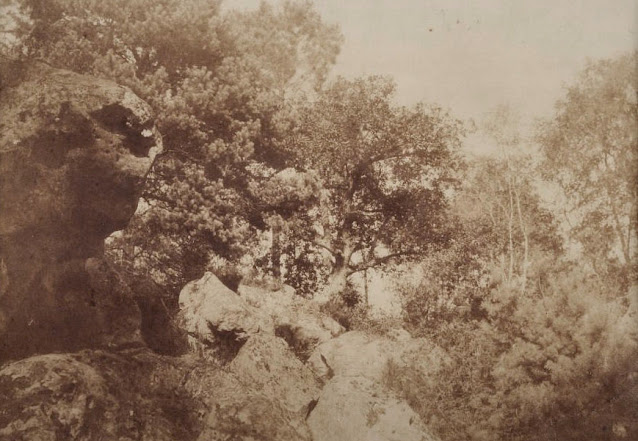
point(626, 252)
point(275, 252)
point(525, 240)
point(510, 226)
point(365, 289)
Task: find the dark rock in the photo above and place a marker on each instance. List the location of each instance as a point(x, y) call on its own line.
point(74, 152)
point(98, 395)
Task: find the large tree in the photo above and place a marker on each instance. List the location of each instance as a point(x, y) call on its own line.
point(384, 172)
point(591, 150)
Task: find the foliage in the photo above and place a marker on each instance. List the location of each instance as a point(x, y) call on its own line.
point(590, 149)
point(384, 173)
point(556, 364)
point(546, 350)
point(571, 366)
point(219, 85)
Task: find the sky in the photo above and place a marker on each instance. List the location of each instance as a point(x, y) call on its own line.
point(470, 56)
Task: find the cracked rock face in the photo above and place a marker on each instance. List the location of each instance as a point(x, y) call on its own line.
point(74, 152)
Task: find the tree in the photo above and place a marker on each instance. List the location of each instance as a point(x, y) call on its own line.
point(500, 195)
point(219, 84)
point(590, 149)
point(384, 173)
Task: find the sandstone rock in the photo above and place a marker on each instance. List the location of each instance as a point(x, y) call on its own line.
point(356, 353)
point(74, 152)
point(266, 364)
point(353, 409)
point(241, 413)
point(50, 396)
point(217, 317)
point(299, 321)
point(96, 395)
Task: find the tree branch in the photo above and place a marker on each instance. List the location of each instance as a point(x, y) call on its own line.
point(379, 261)
point(325, 247)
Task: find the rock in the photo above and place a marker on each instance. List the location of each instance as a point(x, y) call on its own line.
point(354, 403)
point(217, 317)
point(356, 353)
point(50, 396)
point(266, 364)
point(96, 395)
point(74, 152)
point(353, 409)
point(240, 413)
point(297, 320)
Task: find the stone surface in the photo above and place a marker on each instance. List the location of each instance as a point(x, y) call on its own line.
point(353, 354)
point(97, 395)
point(354, 409)
point(74, 152)
point(217, 318)
point(356, 353)
point(299, 321)
point(267, 365)
point(239, 412)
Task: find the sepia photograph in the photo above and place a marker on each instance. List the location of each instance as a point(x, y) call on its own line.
point(318, 220)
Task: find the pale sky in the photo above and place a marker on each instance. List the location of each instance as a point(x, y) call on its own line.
point(470, 56)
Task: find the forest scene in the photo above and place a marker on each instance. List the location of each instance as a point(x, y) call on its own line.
point(210, 231)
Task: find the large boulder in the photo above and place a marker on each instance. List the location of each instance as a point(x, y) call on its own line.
point(98, 395)
point(357, 353)
point(217, 318)
point(50, 396)
point(354, 409)
point(239, 412)
point(267, 365)
point(297, 320)
point(74, 152)
point(135, 394)
point(355, 403)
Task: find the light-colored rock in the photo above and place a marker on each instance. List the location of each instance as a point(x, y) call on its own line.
point(213, 314)
point(354, 353)
point(266, 364)
point(357, 353)
point(238, 412)
point(354, 409)
point(74, 153)
point(297, 320)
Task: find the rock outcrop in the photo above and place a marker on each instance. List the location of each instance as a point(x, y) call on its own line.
point(74, 152)
point(297, 320)
point(354, 403)
point(357, 353)
point(269, 365)
point(98, 395)
point(217, 318)
point(356, 409)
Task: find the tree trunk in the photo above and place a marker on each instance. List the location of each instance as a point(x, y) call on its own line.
point(510, 225)
point(525, 241)
point(334, 287)
point(366, 300)
point(338, 277)
point(275, 252)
